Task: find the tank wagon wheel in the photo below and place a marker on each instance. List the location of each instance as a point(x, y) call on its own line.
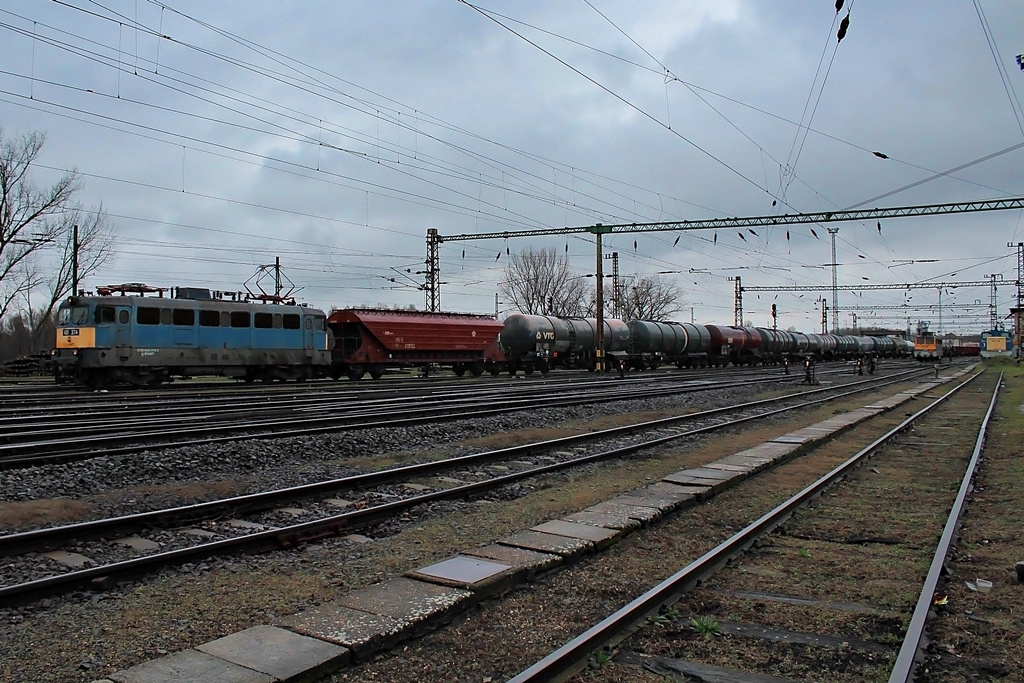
point(545, 369)
point(376, 373)
point(495, 371)
point(459, 369)
point(528, 370)
point(355, 373)
point(476, 369)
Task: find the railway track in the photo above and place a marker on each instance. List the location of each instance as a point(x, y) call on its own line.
point(39, 436)
point(143, 542)
point(827, 595)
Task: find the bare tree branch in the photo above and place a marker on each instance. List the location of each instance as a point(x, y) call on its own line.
point(35, 222)
point(649, 297)
point(541, 282)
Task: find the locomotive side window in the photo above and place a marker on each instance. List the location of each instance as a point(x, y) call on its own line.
point(240, 319)
point(209, 318)
point(147, 316)
point(309, 323)
point(165, 316)
point(123, 317)
point(104, 314)
point(225, 319)
point(184, 316)
point(291, 321)
point(263, 321)
point(277, 321)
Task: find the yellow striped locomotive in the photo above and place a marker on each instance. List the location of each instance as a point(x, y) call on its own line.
point(121, 336)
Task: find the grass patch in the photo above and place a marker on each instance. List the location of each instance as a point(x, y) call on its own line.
point(27, 513)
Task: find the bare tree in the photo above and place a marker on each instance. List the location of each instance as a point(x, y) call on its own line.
point(38, 225)
point(649, 297)
point(540, 281)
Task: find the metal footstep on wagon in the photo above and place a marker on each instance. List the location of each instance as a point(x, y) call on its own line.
point(313, 643)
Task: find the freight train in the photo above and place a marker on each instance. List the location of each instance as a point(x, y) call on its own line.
point(536, 342)
point(121, 335)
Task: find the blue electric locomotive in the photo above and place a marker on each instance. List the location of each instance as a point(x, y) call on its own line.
point(131, 338)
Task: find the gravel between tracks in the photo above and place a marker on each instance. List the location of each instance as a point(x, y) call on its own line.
point(86, 635)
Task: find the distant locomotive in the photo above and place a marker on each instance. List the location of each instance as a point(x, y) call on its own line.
point(928, 347)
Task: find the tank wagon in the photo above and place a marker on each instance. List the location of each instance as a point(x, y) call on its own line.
point(119, 335)
point(653, 344)
point(371, 341)
point(541, 342)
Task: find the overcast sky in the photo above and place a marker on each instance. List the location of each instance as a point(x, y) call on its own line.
point(219, 136)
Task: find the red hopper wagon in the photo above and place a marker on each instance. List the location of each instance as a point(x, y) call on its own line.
point(370, 340)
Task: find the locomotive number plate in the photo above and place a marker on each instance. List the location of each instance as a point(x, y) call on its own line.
point(70, 331)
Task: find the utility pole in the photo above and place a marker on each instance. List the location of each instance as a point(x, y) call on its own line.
point(74, 260)
point(432, 287)
point(277, 277)
point(1020, 297)
point(616, 285)
point(737, 312)
point(835, 281)
point(599, 230)
point(993, 312)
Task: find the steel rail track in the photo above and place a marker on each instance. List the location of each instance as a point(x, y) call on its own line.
point(199, 387)
point(82, 446)
point(22, 422)
point(16, 403)
point(573, 656)
point(345, 522)
point(913, 643)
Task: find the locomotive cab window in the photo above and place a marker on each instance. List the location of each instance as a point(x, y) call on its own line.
point(291, 321)
point(124, 317)
point(104, 314)
point(74, 315)
point(240, 319)
point(263, 321)
point(309, 323)
point(184, 316)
